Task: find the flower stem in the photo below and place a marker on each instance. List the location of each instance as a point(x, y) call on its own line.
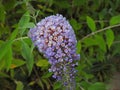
point(21, 38)
point(67, 81)
point(101, 30)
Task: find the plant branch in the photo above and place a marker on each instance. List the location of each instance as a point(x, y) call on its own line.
point(100, 30)
point(116, 42)
point(96, 21)
point(21, 38)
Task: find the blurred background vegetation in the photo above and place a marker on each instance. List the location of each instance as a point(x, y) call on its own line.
point(96, 25)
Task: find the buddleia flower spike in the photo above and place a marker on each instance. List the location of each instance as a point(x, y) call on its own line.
point(55, 38)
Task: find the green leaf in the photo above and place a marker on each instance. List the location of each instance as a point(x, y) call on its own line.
point(4, 48)
point(2, 13)
point(57, 85)
point(91, 51)
point(101, 42)
point(91, 24)
point(42, 63)
point(85, 85)
point(109, 37)
point(23, 21)
point(28, 56)
point(19, 86)
point(98, 40)
point(100, 55)
point(47, 75)
point(8, 58)
point(97, 86)
point(1, 42)
point(76, 26)
point(78, 47)
point(49, 10)
point(88, 76)
point(14, 34)
point(17, 63)
point(115, 20)
point(90, 42)
point(29, 25)
point(32, 83)
point(2, 65)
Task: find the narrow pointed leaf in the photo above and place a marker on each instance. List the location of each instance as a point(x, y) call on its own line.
point(4, 48)
point(8, 58)
point(17, 63)
point(23, 21)
point(109, 37)
point(28, 56)
point(115, 20)
point(91, 24)
point(14, 34)
point(42, 63)
point(101, 42)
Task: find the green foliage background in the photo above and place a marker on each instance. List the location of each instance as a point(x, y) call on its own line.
point(96, 24)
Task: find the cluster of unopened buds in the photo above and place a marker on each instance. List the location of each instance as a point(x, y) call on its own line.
point(55, 38)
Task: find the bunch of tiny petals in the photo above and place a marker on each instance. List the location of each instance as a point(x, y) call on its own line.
point(55, 38)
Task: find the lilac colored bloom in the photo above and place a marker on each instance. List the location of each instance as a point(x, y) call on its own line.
point(55, 38)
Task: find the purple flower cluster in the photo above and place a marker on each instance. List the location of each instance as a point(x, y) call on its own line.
point(55, 38)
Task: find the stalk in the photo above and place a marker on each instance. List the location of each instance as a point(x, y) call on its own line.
point(67, 81)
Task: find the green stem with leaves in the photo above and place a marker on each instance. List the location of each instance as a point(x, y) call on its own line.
point(100, 30)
